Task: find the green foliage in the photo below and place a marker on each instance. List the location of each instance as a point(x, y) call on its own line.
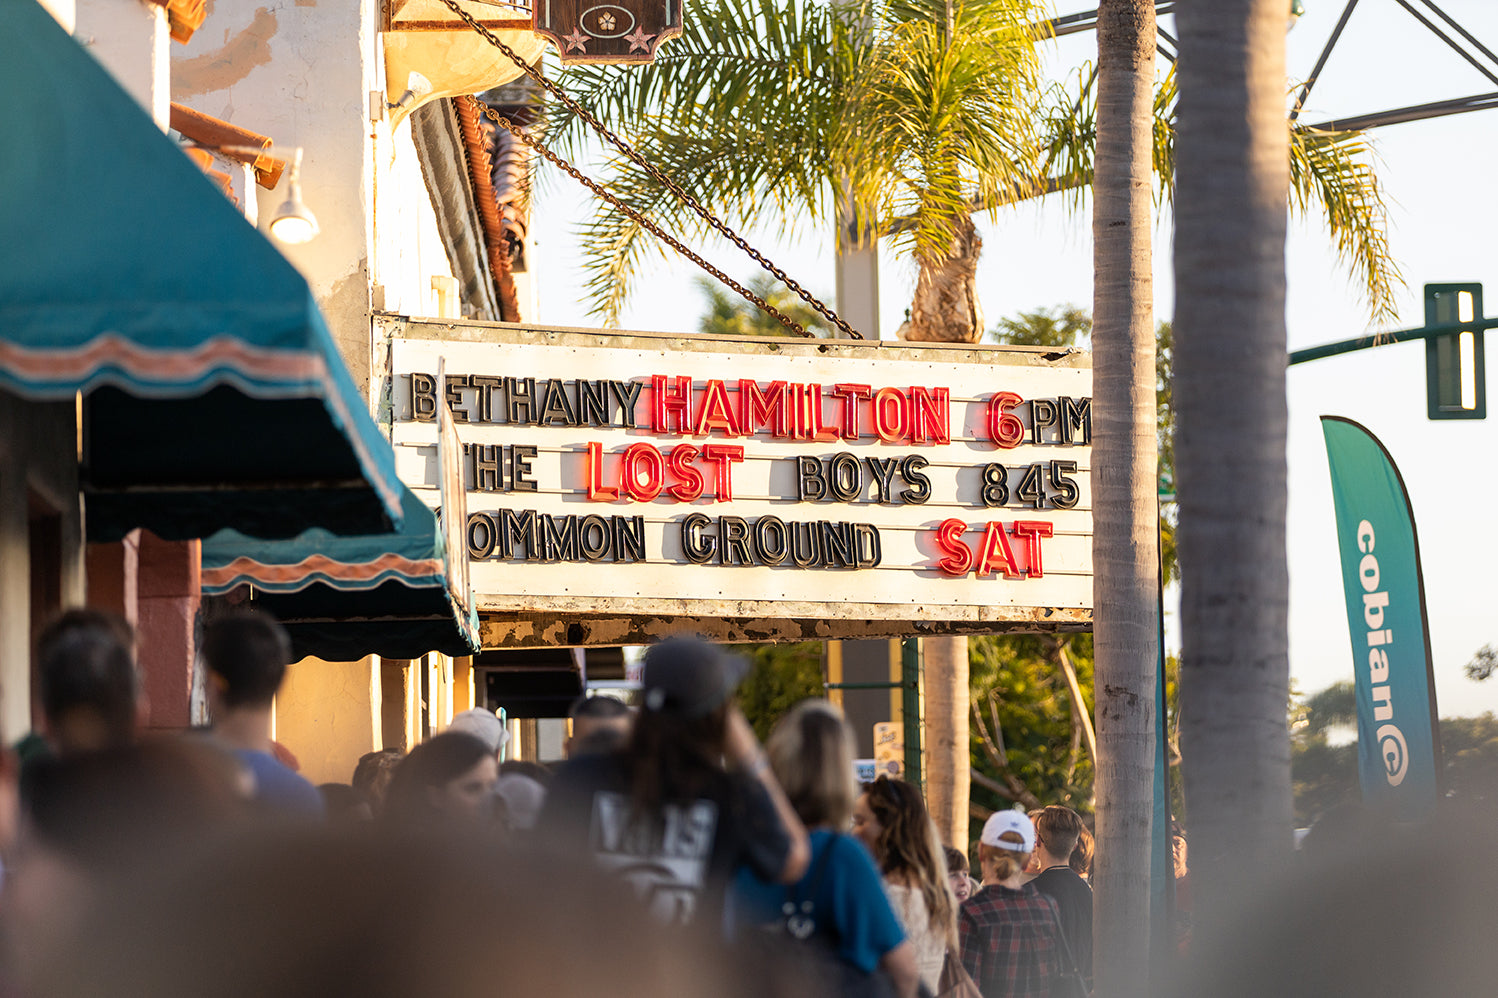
point(731, 314)
point(1332, 173)
point(1322, 775)
point(780, 676)
point(1023, 703)
point(763, 108)
point(1469, 746)
point(1062, 326)
point(940, 115)
point(1325, 775)
point(1165, 432)
point(1483, 664)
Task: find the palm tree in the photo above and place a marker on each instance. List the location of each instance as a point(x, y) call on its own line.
point(787, 115)
point(1125, 512)
point(914, 112)
point(1232, 182)
point(791, 113)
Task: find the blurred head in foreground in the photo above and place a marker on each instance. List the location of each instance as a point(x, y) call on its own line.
point(310, 912)
point(1380, 910)
point(87, 683)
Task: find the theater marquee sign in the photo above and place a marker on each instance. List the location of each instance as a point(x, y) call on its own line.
point(622, 485)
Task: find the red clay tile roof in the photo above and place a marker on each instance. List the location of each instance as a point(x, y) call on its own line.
point(498, 234)
point(231, 141)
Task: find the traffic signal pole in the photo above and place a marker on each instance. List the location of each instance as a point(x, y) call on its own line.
point(1455, 364)
point(1383, 339)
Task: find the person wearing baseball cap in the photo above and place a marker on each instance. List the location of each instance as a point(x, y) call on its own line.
point(689, 800)
point(1009, 933)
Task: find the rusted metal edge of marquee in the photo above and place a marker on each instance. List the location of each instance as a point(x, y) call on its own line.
point(733, 622)
point(389, 326)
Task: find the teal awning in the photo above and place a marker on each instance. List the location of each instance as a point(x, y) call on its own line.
point(214, 393)
point(341, 598)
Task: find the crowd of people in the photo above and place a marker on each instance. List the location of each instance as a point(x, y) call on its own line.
point(669, 845)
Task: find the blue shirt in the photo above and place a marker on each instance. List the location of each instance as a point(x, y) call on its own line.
point(278, 788)
point(849, 905)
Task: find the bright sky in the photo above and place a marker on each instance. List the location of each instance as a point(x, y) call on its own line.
point(1443, 200)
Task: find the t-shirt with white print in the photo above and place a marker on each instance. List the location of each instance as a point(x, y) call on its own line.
point(678, 861)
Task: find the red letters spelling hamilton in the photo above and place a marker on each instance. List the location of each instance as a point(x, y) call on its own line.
point(703, 470)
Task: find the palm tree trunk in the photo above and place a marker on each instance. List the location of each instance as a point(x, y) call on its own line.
point(945, 309)
point(1232, 184)
point(1126, 556)
point(948, 754)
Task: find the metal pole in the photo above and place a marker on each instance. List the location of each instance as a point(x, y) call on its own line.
point(910, 710)
point(1380, 339)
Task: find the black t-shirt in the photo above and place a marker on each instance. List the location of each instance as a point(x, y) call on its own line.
point(1074, 899)
point(679, 861)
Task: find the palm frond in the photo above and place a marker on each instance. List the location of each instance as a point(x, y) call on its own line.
point(1333, 171)
point(755, 185)
point(938, 118)
point(754, 59)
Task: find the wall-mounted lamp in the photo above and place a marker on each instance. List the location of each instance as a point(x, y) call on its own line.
point(417, 86)
point(293, 222)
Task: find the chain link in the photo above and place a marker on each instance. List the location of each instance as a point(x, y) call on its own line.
point(634, 215)
point(676, 190)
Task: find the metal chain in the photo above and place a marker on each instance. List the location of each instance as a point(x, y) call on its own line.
point(676, 189)
point(634, 215)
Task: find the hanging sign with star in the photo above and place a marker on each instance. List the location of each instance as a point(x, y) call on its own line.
point(585, 31)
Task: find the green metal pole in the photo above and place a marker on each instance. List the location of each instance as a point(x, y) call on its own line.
point(910, 710)
point(1382, 339)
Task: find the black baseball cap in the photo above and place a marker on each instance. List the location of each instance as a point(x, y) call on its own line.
point(690, 677)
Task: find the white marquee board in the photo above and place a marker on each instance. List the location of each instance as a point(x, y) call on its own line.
point(547, 394)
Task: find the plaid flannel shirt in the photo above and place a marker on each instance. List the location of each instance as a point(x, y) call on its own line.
point(1009, 943)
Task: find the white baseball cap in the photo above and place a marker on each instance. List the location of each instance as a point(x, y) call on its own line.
point(484, 725)
point(1009, 821)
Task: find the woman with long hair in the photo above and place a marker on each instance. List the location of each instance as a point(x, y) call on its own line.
point(891, 819)
point(688, 801)
point(811, 752)
point(446, 781)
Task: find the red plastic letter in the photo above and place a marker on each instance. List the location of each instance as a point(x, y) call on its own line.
point(714, 413)
point(851, 394)
point(949, 538)
point(994, 552)
point(767, 408)
point(1004, 426)
point(815, 428)
point(1032, 531)
point(597, 491)
point(931, 415)
point(679, 461)
point(891, 415)
point(636, 455)
point(669, 401)
point(725, 456)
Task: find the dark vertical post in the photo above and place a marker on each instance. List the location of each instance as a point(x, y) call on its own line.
point(910, 708)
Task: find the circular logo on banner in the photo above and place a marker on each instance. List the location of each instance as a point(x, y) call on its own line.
point(1395, 752)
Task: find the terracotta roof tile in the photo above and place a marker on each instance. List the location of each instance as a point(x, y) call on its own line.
point(497, 239)
point(231, 141)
